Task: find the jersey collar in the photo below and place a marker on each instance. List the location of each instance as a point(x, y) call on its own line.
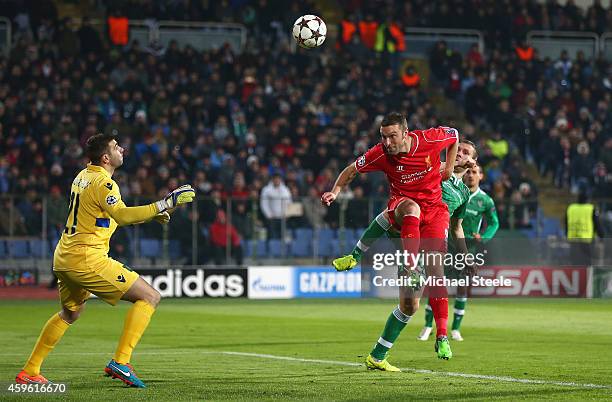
point(99, 169)
point(475, 193)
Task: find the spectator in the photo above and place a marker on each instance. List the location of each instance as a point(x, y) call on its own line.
point(563, 163)
point(185, 227)
point(582, 165)
point(120, 245)
point(474, 57)
point(11, 222)
point(564, 64)
point(243, 219)
point(222, 235)
point(602, 180)
point(477, 100)
point(582, 225)
point(89, 38)
point(314, 211)
point(357, 209)
point(439, 61)
point(498, 145)
point(274, 200)
point(57, 211)
point(67, 40)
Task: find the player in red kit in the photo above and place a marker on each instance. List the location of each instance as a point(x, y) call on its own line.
point(411, 162)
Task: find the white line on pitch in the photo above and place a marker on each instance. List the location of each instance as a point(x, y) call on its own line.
point(337, 363)
point(423, 371)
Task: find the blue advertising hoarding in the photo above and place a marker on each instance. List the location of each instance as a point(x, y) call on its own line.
point(325, 282)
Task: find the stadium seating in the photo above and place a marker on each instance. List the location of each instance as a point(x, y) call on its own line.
point(326, 239)
point(550, 227)
point(18, 248)
point(174, 249)
point(301, 246)
point(40, 248)
point(276, 248)
point(3, 249)
point(346, 240)
point(150, 248)
point(256, 248)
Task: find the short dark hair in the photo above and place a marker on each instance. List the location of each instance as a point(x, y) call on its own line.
point(464, 141)
point(583, 197)
point(97, 145)
point(394, 118)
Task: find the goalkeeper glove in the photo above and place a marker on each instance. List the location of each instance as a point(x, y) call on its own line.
point(181, 195)
point(162, 217)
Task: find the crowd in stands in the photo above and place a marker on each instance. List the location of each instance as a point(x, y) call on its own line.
point(503, 22)
point(266, 121)
point(226, 122)
point(556, 113)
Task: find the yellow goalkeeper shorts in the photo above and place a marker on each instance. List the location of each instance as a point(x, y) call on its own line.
point(84, 272)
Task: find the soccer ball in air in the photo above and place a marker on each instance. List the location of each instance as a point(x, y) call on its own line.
point(309, 31)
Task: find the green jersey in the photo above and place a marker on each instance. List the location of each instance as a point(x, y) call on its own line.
point(480, 205)
point(455, 195)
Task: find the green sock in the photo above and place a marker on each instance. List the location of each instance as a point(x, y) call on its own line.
point(376, 230)
point(358, 252)
point(394, 326)
point(460, 303)
point(428, 316)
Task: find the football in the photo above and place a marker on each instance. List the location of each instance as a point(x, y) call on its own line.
point(309, 31)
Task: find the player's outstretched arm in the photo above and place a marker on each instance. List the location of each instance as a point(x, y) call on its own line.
point(125, 215)
point(161, 218)
point(451, 154)
point(347, 176)
point(459, 238)
point(456, 229)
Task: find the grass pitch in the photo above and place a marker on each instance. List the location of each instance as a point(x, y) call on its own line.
point(313, 349)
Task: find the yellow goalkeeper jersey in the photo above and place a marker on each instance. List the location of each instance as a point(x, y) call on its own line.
point(95, 211)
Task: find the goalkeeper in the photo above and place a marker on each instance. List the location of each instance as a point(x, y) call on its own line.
point(83, 267)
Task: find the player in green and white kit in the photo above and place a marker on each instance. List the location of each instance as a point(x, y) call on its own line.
point(480, 205)
point(454, 193)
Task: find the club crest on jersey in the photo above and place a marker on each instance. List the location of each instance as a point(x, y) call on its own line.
point(451, 131)
point(428, 160)
point(111, 200)
point(479, 203)
point(109, 186)
point(361, 161)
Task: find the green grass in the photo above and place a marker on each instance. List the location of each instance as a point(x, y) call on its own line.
point(550, 340)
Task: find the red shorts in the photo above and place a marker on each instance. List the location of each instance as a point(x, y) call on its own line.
point(433, 226)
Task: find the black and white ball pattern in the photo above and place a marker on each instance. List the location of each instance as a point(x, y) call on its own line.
point(309, 31)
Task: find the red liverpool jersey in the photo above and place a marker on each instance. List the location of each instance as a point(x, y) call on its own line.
point(416, 173)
